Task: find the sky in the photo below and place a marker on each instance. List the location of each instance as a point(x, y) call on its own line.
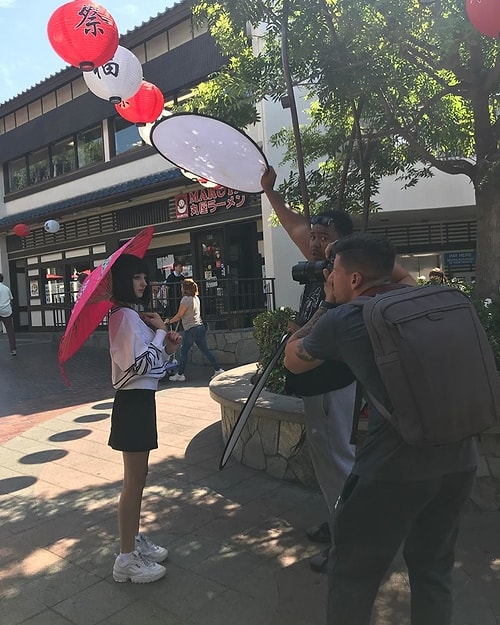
point(26, 56)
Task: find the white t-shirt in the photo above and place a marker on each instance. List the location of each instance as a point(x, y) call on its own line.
point(5, 299)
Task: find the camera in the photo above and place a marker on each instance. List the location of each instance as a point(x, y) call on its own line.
point(306, 272)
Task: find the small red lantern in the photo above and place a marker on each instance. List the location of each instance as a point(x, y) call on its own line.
point(21, 230)
point(143, 107)
point(484, 15)
point(83, 33)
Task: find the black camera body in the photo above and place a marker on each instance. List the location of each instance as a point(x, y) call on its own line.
point(306, 272)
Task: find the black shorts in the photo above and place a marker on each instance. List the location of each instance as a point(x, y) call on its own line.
point(133, 421)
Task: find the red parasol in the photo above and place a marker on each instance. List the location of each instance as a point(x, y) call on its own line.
point(94, 298)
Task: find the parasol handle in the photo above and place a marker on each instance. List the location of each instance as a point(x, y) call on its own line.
point(176, 325)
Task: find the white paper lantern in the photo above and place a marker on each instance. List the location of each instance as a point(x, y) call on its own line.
point(52, 226)
point(145, 129)
point(203, 181)
point(208, 183)
point(118, 79)
point(188, 174)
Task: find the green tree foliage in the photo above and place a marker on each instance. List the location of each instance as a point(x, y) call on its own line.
point(393, 88)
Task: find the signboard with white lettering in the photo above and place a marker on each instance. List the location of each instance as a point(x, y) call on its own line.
point(453, 259)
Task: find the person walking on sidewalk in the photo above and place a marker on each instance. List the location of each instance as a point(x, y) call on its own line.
point(139, 348)
point(194, 330)
point(6, 314)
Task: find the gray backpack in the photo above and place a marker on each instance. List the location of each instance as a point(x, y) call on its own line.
point(435, 361)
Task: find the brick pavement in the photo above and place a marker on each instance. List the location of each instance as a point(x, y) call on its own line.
point(236, 537)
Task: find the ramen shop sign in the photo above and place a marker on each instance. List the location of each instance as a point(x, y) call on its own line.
point(206, 201)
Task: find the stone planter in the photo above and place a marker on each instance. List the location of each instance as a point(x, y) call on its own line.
point(273, 439)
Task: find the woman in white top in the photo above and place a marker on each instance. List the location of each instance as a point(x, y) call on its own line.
point(194, 330)
point(139, 348)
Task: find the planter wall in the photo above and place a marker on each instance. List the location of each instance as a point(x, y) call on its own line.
point(273, 439)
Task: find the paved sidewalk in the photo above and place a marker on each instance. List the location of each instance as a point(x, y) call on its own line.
point(238, 555)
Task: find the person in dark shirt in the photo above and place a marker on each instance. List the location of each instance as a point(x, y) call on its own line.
point(329, 391)
point(397, 494)
point(173, 285)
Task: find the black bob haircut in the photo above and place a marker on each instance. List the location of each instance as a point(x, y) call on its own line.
point(122, 274)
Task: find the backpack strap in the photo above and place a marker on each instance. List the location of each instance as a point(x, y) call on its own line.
point(360, 301)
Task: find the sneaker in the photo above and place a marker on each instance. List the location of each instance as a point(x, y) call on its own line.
point(13, 352)
point(217, 372)
point(146, 547)
point(319, 533)
point(138, 570)
point(178, 377)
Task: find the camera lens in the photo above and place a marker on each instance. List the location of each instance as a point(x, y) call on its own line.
point(306, 272)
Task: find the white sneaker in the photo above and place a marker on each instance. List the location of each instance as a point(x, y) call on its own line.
point(218, 372)
point(137, 569)
point(147, 548)
point(178, 377)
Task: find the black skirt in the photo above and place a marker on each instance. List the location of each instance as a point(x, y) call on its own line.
point(133, 421)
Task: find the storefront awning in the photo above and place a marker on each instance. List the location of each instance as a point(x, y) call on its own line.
point(87, 200)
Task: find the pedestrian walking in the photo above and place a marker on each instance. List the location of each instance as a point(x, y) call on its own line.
point(6, 314)
point(194, 329)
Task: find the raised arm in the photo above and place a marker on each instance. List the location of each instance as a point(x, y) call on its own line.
point(296, 224)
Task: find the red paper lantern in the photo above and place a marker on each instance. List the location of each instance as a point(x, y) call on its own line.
point(83, 33)
point(21, 230)
point(485, 16)
point(143, 107)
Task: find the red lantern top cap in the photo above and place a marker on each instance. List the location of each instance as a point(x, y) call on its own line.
point(83, 34)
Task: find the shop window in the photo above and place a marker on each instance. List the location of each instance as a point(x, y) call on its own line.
point(38, 166)
point(63, 157)
point(90, 146)
point(18, 174)
point(127, 136)
point(54, 285)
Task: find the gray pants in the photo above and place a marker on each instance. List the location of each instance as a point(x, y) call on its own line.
point(8, 322)
point(328, 420)
point(373, 519)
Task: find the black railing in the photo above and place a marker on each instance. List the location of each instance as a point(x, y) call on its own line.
point(226, 303)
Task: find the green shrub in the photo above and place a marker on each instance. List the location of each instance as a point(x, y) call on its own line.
point(269, 328)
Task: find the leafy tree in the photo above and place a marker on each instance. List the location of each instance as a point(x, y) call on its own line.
point(394, 87)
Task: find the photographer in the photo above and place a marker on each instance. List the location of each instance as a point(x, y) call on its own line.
point(328, 392)
point(397, 493)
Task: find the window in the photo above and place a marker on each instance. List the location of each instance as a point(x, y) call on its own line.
point(18, 174)
point(126, 136)
point(157, 46)
point(63, 157)
point(179, 34)
point(38, 166)
point(90, 146)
